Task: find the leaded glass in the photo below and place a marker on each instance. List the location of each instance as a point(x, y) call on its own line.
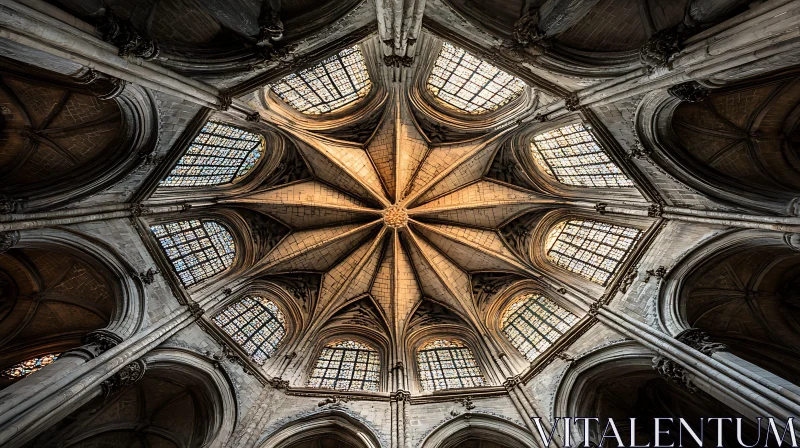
point(533, 323)
point(347, 365)
point(330, 85)
point(218, 155)
point(591, 249)
point(571, 155)
point(472, 85)
point(447, 364)
point(256, 324)
point(29, 366)
point(196, 249)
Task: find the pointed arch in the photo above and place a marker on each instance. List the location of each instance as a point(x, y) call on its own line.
point(447, 364)
point(347, 365)
point(197, 249)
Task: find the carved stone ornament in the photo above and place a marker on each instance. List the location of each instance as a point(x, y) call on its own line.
point(253, 117)
point(278, 383)
point(97, 342)
point(225, 102)
point(600, 207)
point(594, 308)
point(660, 49)
point(126, 376)
point(526, 29)
point(674, 373)
point(512, 382)
point(467, 403)
point(659, 273)
point(290, 356)
point(691, 92)
point(564, 356)
point(8, 240)
point(628, 280)
point(9, 205)
point(572, 102)
point(196, 310)
point(124, 36)
point(700, 341)
point(269, 24)
point(334, 401)
point(148, 277)
point(638, 151)
point(394, 60)
point(401, 395)
point(655, 210)
point(561, 290)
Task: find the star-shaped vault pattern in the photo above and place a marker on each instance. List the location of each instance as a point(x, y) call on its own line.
point(398, 218)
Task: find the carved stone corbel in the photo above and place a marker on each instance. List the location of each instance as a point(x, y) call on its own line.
point(701, 341)
point(9, 205)
point(572, 102)
point(8, 240)
point(126, 38)
point(401, 395)
point(691, 92)
point(270, 24)
point(662, 46)
point(674, 373)
point(94, 344)
point(125, 377)
point(512, 382)
point(278, 383)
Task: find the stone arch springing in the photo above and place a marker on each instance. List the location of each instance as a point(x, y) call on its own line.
point(52, 153)
point(475, 426)
point(348, 426)
point(68, 285)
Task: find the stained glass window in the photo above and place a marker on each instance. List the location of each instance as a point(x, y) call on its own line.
point(533, 323)
point(256, 324)
point(467, 83)
point(571, 155)
point(347, 365)
point(330, 85)
point(591, 249)
point(29, 366)
point(196, 249)
point(218, 155)
point(447, 364)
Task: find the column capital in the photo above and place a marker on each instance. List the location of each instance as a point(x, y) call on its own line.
point(8, 240)
point(94, 344)
point(401, 395)
point(126, 376)
point(701, 341)
point(512, 382)
point(674, 373)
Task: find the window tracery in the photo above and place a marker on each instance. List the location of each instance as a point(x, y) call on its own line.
point(534, 322)
point(591, 249)
point(256, 324)
point(571, 156)
point(197, 249)
point(447, 364)
point(472, 85)
point(29, 366)
point(347, 365)
point(218, 155)
point(330, 85)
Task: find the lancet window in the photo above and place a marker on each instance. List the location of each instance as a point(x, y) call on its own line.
point(534, 322)
point(197, 249)
point(447, 364)
point(256, 324)
point(29, 366)
point(347, 365)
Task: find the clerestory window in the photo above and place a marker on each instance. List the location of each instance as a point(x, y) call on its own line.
point(347, 365)
point(447, 364)
point(256, 324)
point(197, 249)
point(533, 323)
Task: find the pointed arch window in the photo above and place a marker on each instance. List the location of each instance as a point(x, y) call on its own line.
point(472, 85)
point(218, 155)
point(591, 249)
point(347, 365)
point(571, 156)
point(256, 324)
point(334, 83)
point(534, 322)
point(197, 249)
point(29, 366)
point(447, 364)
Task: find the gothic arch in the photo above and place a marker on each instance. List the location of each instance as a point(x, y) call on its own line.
point(740, 289)
point(736, 144)
point(60, 285)
point(354, 122)
point(338, 422)
point(53, 154)
point(456, 121)
point(375, 339)
point(276, 149)
point(254, 236)
point(618, 381)
point(519, 149)
point(496, 309)
point(181, 400)
point(477, 426)
point(535, 227)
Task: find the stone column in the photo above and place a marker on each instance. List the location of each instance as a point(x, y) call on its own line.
point(31, 405)
point(696, 363)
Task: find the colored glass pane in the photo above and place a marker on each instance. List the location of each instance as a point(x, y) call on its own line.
point(447, 364)
point(256, 324)
point(347, 365)
point(29, 366)
point(533, 323)
point(196, 249)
